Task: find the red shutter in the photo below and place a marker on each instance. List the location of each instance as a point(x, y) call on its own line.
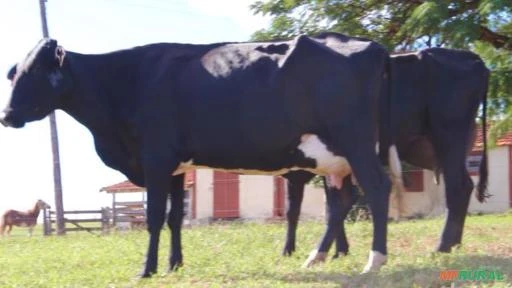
point(413, 181)
point(225, 195)
point(279, 188)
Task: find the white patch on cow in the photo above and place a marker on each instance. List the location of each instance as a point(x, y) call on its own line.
point(375, 261)
point(396, 168)
point(25, 65)
point(326, 161)
point(396, 178)
point(31, 57)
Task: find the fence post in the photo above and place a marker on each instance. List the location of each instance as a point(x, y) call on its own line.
point(47, 230)
point(105, 220)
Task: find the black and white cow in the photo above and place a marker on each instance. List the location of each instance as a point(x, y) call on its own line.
point(156, 111)
point(436, 94)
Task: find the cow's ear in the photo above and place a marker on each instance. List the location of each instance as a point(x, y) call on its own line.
point(12, 73)
point(59, 55)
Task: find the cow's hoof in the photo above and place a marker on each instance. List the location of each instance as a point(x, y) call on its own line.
point(375, 261)
point(315, 257)
point(288, 250)
point(146, 274)
point(443, 248)
point(174, 266)
point(339, 254)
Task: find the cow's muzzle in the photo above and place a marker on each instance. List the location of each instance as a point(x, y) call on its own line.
point(2, 120)
point(7, 120)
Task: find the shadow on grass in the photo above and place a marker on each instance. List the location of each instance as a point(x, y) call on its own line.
point(400, 276)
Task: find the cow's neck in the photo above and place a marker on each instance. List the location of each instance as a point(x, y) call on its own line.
point(103, 100)
point(98, 81)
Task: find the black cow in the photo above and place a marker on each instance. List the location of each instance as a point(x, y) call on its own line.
point(156, 111)
point(436, 94)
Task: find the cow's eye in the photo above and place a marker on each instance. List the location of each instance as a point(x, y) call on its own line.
point(37, 68)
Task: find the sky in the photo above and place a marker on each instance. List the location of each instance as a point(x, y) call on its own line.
point(92, 26)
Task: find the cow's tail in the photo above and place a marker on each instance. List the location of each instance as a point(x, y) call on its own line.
point(482, 193)
point(384, 118)
point(387, 128)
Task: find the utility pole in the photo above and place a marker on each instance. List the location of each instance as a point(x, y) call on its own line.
point(59, 207)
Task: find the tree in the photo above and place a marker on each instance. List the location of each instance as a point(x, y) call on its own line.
point(483, 26)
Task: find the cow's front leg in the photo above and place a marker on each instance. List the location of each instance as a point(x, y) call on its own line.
point(175, 220)
point(158, 184)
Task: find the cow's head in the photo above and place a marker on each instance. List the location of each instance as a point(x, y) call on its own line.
point(38, 85)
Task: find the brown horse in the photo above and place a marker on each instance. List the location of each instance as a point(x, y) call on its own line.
point(22, 218)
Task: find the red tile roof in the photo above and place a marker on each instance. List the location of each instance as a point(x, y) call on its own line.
point(125, 186)
point(505, 140)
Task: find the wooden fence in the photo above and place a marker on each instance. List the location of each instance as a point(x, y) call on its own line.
point(80, 220)
point(122, 215)
point(131, 212)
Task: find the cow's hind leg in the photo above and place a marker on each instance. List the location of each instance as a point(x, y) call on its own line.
point(175, 220)
point(458, 185)
point(376, 184)
point(333, 212)
point(158, 184)
point(338, 204)
point(296, 182)
point(349, 198)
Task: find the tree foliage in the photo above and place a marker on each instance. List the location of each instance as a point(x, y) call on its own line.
point(483, 26)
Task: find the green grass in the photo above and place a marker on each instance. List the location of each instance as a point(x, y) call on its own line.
point(248, 255)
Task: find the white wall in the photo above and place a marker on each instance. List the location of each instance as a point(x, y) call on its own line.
point(313, 205)
point(498, 183)
point(256, 196)
point(204, 193)
point(430, 202)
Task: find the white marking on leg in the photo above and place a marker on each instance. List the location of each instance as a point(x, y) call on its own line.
point(396, 176)
point(315, 257)
point(375, 261)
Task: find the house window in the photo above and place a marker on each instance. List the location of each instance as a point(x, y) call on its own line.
point(413, 180)
point(473, 163)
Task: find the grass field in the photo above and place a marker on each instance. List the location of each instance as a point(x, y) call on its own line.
point(248, 255)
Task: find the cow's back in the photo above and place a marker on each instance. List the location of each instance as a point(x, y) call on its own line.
point(255, 100)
